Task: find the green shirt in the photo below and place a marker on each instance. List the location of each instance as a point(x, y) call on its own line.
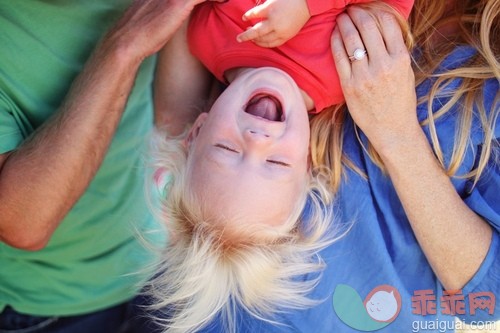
point(91, 259)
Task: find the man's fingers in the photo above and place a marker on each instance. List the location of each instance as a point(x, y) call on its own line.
point(258, 30)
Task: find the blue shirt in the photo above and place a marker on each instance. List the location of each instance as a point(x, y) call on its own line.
point(381, 248)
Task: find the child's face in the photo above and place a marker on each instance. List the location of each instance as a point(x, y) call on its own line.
point(244, 165)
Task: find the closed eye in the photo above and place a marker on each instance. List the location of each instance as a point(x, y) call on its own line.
point(221, 146)
point(279, 163)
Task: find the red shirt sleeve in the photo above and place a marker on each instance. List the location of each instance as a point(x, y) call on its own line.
point(320, 6)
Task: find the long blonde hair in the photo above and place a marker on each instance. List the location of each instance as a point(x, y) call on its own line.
point(479, 28)
point(211, 267)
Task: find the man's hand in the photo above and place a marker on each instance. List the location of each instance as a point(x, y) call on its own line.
point(277, 22)
point(147, 25)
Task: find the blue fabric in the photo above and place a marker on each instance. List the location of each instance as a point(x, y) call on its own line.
point(127, 317)
point(381, 248)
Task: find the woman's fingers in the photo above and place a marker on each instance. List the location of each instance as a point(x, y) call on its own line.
point(342, 62)
point(369, 32)
point(380, 31)
point(379, 88)
point(351, 38)
point(392, 33)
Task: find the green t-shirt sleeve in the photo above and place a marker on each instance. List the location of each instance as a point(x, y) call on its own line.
point(10, 133)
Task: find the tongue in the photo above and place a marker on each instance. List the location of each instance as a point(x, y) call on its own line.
point(264, 107)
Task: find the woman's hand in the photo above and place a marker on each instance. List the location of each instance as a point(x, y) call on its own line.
point(379, 88)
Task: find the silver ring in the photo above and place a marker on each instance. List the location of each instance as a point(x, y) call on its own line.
point(358, 55)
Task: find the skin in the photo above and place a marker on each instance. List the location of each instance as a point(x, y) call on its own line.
point(246, 166)
point(277, 22)
point(68, 149)
point(454, 239)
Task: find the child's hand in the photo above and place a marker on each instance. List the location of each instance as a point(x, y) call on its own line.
point(280, 21)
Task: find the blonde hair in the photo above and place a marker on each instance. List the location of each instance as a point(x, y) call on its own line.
point(479, 28)
point(205, 271)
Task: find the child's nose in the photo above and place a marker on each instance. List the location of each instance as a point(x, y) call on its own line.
point(257, 136)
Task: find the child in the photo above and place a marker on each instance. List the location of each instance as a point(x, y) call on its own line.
point(236, 186)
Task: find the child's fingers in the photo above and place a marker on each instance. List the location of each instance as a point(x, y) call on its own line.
point(269, 40)
point(257, 12)
point(258, 30)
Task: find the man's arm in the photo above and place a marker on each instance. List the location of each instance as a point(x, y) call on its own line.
point(42, 179)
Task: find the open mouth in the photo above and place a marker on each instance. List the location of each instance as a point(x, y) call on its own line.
point(265, 106)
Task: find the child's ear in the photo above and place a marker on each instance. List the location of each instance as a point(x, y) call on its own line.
point(162, 179)
point(195, 129)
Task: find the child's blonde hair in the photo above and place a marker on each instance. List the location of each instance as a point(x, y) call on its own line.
point(212, 266)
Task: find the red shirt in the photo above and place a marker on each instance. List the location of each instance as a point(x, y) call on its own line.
point(307, 57)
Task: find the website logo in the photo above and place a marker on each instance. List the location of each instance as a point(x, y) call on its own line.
point(380, 307)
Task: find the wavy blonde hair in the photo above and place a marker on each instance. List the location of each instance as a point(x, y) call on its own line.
point(479, 28)
point(212, 267)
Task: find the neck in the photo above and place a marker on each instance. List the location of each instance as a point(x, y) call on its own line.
point(233, 73)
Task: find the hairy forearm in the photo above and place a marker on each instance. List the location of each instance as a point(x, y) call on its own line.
point(46, 175)
point(454, 239)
